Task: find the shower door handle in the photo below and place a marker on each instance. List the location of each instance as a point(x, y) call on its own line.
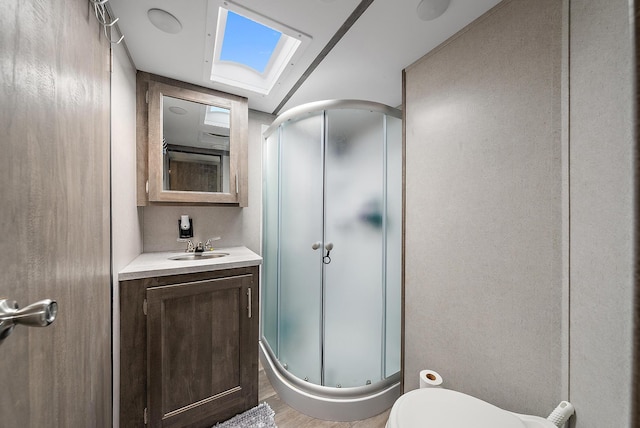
point(328, 247)
point(326, 259)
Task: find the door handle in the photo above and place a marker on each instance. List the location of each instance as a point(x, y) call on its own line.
point(39, 314)
point(327, 259)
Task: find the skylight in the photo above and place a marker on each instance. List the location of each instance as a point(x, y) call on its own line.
point(248, 42)
point(249, 51)
point(218, 117)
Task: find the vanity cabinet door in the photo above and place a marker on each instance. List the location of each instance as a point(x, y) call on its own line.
point(202, 351)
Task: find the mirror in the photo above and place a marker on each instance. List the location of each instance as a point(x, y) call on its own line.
point(196, 146)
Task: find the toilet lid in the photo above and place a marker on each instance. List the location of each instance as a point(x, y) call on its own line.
point(443, 408)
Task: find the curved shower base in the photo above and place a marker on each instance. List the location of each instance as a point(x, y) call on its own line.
point(322, 402)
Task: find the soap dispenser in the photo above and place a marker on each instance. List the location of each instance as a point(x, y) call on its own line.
point(185, 227)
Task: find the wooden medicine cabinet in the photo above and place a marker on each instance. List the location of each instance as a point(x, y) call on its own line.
point(192, 144)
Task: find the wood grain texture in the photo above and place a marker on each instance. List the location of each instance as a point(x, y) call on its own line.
point(142, 144)
point(149, 136)
point(133, 353)
point(196, 339)
point(199, 177)
point(54, 215)
point(207, 349)
point(194, 342)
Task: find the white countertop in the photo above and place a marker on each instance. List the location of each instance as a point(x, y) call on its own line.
point(148, 265)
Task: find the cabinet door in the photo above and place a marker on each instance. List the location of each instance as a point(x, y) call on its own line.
point(202, 340)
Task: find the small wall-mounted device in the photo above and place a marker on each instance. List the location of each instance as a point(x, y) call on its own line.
point(185, 227)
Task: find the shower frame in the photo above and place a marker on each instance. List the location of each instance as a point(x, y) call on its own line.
point(332, 403)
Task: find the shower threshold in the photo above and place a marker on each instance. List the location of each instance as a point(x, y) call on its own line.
point(332, 404)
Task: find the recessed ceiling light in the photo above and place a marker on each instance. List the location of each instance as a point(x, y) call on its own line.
point(429, 10)
point(164, 21)
point(177, 110)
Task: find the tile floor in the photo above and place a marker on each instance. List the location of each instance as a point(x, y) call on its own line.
point(286, 417)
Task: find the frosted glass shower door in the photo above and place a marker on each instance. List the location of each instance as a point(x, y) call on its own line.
point(301, 226)
point(354, 223)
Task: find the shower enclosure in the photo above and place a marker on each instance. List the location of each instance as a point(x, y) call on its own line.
point(332, 249)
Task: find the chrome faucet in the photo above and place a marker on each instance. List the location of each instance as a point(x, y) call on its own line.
point(200, 247)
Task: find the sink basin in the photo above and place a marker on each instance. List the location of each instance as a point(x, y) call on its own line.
point(198, 256)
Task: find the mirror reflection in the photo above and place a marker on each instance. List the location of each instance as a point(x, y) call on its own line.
point(195, 146)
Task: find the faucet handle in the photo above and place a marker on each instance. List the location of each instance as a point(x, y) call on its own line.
point(209, 244)
point(190, 247)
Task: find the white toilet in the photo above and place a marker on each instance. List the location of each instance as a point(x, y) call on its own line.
point(443, 408)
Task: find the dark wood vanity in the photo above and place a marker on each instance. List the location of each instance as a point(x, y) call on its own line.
point(188, 347)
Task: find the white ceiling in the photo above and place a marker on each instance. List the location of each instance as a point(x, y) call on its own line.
point(366, 63)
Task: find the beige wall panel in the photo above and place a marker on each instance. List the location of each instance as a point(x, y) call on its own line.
point(54, 212)
point(602, 222)
point(483, 290)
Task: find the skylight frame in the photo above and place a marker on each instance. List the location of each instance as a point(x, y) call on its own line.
point(287, 52)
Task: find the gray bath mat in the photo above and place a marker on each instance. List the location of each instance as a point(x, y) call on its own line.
point(260, 416)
